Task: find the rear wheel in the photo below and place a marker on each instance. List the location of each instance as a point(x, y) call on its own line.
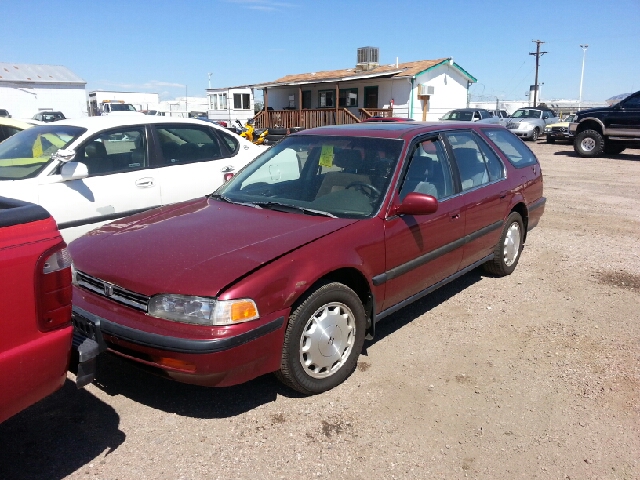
point(507, 252)
point(323, 340)
point(588, 143)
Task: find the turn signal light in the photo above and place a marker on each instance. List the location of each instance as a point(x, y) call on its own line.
point(175, 363)
point(243, 310)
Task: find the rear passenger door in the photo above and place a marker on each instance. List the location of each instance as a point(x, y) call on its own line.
point(192, 160)
point(482, 178)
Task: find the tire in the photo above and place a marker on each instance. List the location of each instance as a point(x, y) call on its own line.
point(535, 134)
point(295, 129)
point(550, 139)
point(508, 250)
point(330, 320)
point(613, 149)
point(588, 143)
point(277, 131)
point(274, 138)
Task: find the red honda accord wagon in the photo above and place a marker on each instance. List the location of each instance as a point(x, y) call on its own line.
point(290, 265)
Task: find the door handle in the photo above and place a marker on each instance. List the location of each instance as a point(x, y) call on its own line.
point(455, 215)
point(503, 194)
point(144, 182)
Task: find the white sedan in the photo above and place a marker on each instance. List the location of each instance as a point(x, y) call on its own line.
point(89, 171)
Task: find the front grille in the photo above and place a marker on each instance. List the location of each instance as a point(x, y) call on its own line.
point(112, 291)
point(559, 129)
point(513, 126)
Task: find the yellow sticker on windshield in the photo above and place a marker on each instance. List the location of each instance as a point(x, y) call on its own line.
point(37, 147)
point(326, 156)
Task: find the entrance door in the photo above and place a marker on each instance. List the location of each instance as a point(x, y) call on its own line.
point(371, 97)
point(306, 99)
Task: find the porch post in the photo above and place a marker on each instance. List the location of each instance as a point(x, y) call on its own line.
point(300, 123)
point(266, 104)
point(336, 100)
point(425, 107)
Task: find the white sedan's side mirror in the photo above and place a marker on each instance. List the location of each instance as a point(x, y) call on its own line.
point(74, 171)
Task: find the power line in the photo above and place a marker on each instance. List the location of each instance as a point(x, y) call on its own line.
point(537, 54)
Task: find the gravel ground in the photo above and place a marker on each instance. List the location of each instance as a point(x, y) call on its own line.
point(535, 375)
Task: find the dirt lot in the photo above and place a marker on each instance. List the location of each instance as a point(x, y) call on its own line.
point(536, 375)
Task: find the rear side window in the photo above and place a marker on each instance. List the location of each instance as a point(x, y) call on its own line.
point(188, 144)
point(513, 148)
point(477, 163)
point(428, 171)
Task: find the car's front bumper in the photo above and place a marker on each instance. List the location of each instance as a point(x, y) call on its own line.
point(526, 132)
point(229, 357)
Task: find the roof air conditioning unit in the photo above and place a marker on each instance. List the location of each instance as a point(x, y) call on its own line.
point(368, 55)
point(426, 90)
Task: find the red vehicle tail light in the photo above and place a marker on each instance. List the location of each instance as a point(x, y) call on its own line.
point(53, 288)
point(228, 176)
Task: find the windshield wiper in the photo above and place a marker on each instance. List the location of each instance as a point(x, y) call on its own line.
point(283, 207)
point(222, 198)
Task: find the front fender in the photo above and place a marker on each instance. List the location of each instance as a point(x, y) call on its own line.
point(279, 284)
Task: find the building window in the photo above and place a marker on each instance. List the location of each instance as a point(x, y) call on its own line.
point(241, 101)
point(326, 98)
point(348, 97)
point(218, 101)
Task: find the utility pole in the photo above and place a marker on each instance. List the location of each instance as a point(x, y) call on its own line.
point(537, 54)
point(584, 54)
point(209, 80)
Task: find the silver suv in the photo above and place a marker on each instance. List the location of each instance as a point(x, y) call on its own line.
point(529, 123)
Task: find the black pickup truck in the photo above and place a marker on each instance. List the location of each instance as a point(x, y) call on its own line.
point(607, 130)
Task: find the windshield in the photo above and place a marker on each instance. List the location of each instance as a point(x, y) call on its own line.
point(527, 113)
point(122, 107)
point(345, 177)
point(26, 153)
point(569, 118)
point(460, 115)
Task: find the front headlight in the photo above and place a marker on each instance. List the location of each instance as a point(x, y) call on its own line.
point(202, 310)
point(547, 129)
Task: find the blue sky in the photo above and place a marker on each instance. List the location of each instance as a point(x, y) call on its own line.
point(161, 46)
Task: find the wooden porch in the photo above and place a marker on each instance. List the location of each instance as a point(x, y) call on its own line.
point(310, 118)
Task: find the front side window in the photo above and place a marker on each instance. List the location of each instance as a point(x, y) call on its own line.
point(632, 102)
point(477, 164)
point(231, 142)
point(346, 177)
point(182, 144)
point(115, 151)
point(326, 98)
point(513, 148)
point(459, 115)
point(26, 153)
point(428, 171)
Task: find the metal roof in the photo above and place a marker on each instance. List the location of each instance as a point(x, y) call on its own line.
point(31, 73)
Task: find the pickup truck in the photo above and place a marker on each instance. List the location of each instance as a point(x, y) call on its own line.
point(35, 293)
point(607, 130)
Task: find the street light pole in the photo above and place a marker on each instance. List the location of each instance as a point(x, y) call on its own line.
point(209, 80)
point(584, 54)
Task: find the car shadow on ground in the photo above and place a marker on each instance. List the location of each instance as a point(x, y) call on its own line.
point(116, 376)
point(403, 317)
point(58, 435)
point(620, 156)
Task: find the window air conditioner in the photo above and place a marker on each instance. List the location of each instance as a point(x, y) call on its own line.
point(426, 90)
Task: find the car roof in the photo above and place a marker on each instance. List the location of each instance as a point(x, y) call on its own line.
point(94, 124)
point(395, 130)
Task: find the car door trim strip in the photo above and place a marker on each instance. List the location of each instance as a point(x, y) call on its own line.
point(103, 218)
point(430, 289)
point(432, 255)
point(177, 344)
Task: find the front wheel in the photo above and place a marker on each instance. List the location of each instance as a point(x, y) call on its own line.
point(535, 134)
point(588, 143)
point(507, 252)
point(323, 340)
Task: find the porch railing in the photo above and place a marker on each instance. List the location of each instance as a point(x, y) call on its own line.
point(305, 118)
point(375, 112)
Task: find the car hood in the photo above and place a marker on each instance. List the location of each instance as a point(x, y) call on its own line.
point(194, 248)
point(559, 124)
point(591, 111)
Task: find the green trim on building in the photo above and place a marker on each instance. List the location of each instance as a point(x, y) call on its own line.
point(455, 65)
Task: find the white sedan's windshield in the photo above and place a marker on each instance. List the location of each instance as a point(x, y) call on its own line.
point(527, 113)
point(26, 153)
point(344, 177)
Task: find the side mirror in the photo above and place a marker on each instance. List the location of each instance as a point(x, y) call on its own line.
point(74, 171)
point(417, 204)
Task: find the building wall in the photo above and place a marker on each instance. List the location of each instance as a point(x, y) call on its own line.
point(25, 100)
point(450, 92)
